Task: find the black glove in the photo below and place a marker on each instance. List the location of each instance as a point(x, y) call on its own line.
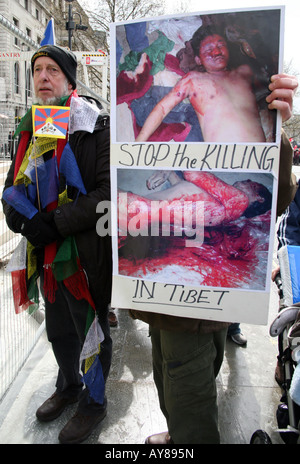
point(40, 230)
point(15, 220)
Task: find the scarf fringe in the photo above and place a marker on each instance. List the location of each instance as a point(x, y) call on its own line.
point(78, 286)
point(19, 288)
point(50, 284)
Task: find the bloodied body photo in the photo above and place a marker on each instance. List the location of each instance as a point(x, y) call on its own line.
point(194, 228)
point(197, 78)
point(195, 162)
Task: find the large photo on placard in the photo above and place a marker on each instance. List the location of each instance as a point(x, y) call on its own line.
point(197, 78)
point(162, 239)
point(195, 163)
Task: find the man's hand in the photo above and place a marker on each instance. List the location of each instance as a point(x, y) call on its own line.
point(275, 272)
point(40, 230)
point(283, 88)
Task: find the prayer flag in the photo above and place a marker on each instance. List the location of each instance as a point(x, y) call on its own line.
point(94, 381)
point(16, 197)
point(47, 184)
point(69, 168)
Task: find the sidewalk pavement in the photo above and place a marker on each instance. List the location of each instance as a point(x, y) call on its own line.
point(248, 395)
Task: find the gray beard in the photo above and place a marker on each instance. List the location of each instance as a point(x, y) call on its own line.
point(53, 101)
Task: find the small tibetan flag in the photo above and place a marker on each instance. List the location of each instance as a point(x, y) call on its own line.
point(50, 121)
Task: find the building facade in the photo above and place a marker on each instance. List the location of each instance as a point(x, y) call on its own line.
point(22, 27)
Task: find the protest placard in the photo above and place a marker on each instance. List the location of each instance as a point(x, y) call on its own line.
point(194, 163)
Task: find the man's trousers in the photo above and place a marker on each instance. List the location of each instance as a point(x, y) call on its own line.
point(185, 366)
point(65, 325)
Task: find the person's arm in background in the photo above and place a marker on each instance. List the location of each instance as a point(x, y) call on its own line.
point(283, 88)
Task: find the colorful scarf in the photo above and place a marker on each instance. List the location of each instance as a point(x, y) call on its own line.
point(50, 284)
point(63, 161)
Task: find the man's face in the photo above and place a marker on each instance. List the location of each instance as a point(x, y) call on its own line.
point(213, 53)
point(50, 83)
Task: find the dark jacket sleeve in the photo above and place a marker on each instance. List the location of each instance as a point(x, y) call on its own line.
point(13, 218)
point(92, 154)
point(287, 183)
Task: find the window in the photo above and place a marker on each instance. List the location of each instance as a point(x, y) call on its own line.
point(16, 23)
point(17, 77)
point(28, 83)
point(17, 118)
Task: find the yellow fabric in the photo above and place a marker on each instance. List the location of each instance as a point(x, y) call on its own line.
point(42, 145)
point(20, 177)
point(31, 260)
point(63, 198)
point(35, 150)
point(89, 361)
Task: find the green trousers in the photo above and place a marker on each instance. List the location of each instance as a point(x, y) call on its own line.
point(185, 366)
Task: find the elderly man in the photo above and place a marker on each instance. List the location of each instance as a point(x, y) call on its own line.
point(68, 303)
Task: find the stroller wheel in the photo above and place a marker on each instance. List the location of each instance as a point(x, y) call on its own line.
point(260, 438)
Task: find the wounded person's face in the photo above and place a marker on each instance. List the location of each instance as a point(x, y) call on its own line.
point(213, 53)
point(251, 189)
point(260, 198)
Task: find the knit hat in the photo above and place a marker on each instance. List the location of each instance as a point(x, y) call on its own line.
point(66, 60)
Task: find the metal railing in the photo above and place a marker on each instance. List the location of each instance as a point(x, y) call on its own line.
point(18, 332)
